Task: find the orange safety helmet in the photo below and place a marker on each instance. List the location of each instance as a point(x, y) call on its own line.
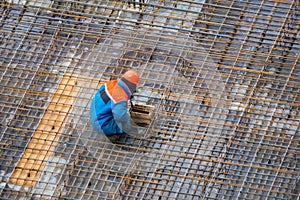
point(132, 76)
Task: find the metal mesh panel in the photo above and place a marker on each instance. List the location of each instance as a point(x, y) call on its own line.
point(222, 76)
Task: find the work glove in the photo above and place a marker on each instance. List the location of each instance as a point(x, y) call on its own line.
point(136, 131)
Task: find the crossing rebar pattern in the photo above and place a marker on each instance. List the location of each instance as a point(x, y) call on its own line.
point(222, 77)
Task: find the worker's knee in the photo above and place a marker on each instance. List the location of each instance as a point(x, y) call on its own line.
point(111, 128)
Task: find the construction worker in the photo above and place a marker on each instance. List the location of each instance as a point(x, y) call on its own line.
point(109, 108)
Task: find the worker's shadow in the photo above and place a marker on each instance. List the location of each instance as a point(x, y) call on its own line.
point(120, 139)
point(127, 142)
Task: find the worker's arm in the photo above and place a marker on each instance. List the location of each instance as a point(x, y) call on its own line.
point(123, 120)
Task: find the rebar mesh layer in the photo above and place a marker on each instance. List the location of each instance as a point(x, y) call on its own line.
point(222, 76)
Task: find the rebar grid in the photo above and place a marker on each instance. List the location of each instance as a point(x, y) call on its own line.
point(222, 76)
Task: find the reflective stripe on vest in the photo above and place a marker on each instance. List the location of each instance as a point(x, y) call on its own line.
point(123, 85)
